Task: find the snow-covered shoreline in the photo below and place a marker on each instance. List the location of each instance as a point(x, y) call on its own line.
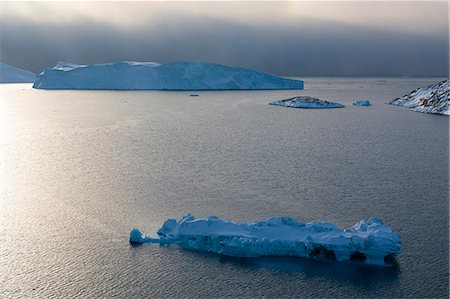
point(429, 99)
point(368, 241)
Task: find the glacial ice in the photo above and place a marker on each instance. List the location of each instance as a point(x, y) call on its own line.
point(428, 99)
point(306, 102)
point(11, 74)
point(368, 241)
point(130, 75)
point(362, 103)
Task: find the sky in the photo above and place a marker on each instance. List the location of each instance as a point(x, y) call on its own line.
point(306, 38)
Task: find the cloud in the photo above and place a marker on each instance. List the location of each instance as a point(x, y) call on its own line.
point(296, 46)
point(402, 16)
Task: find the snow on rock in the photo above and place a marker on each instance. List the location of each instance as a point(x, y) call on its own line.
point(151, 75)
point(362, 103)
point(368, 241)
point(429, 99)
point(11, 74)
point(306, 102)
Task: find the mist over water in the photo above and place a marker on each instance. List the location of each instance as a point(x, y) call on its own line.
point(289, 38)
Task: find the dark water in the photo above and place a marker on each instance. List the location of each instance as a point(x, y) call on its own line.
point(81, 168)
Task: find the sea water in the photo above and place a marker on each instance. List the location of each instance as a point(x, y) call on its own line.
point(80, 169)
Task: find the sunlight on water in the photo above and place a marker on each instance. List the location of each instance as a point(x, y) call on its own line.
point(81, 168)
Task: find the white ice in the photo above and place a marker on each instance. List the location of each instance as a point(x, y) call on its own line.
point(151, 75)
point(367, 241)
point(306, 102)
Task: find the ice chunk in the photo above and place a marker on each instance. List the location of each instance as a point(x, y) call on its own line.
point(151, 75)
point(362, 103)
point(368, 241)
point(306, 102)
point(136, 236)
point(11, 74)
point(429, 99)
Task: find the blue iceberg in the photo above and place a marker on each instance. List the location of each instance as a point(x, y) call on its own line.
point(368, 241)
point(365, 103)
point(130, 75)
point(11, 74)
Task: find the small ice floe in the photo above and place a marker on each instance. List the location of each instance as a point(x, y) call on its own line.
point(306, 102)
point(365, 103)
point(368, 241)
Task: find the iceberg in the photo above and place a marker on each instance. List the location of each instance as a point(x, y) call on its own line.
point(368, 241)
point(306, 102)
point(429, 99)
point(365, 103)
point(130, 75)
point(11, 74)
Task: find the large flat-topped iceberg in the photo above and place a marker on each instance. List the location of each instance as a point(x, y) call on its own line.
point(11, 74)
point(429, 99)
point(306, 102)
point(367, 241)
point(128, 75)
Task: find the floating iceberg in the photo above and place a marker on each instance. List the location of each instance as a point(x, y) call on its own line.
point(306, 102)
point(11, 74)
point(368, 241)
point(362, 103)
point(150, 75)
point(429, 99)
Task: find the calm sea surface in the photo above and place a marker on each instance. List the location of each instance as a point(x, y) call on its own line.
point(80, 169)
